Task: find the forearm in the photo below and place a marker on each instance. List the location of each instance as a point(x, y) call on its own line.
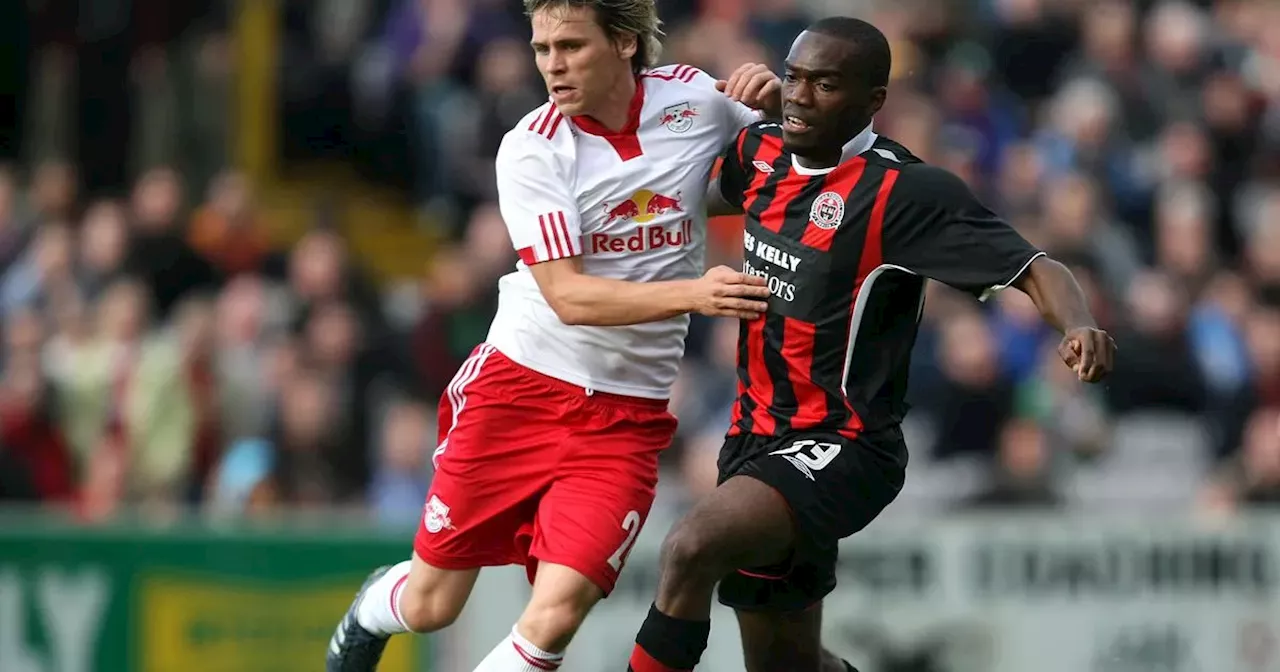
point(605, 302)
point(1056, 294)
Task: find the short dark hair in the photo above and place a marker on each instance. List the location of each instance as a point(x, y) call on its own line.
point(874, 59)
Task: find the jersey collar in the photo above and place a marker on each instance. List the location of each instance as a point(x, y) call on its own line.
point(859, 144)
point(590, 125)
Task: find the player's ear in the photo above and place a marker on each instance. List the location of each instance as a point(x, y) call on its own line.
point(876, 101)
point(626, 45)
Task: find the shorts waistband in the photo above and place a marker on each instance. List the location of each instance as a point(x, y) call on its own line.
point(578, 390)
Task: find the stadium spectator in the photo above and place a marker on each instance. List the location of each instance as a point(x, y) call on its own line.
point(1137, 141)
point(227, 231)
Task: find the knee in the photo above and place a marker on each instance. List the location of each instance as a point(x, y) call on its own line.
point(689, 553)
point(551, 626)
point(428, 610)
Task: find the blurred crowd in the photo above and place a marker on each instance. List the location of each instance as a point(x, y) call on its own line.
point(162, 355)
point(158, 351)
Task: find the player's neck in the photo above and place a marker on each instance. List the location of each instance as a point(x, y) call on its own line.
point(614, 110)
point(819, 161)
point(826, 158)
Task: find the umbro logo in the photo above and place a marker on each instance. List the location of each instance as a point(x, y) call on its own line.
point(762, 167)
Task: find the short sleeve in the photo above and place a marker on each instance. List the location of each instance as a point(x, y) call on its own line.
point(733, 172)
point(742, 115)
point(934, 226)
point(736, 115)
point(536, 201)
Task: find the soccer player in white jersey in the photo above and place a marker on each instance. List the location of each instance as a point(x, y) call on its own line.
point(551, 430)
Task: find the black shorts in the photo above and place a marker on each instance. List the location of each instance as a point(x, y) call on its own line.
point(835, 487)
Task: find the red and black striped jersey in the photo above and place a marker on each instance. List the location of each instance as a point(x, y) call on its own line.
point(846, 253)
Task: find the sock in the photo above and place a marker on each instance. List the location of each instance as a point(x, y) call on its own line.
point(379, 612)
point(516, 654)
point(667, 644)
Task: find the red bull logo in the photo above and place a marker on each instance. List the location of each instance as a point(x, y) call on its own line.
point(644, 238)
point(661, 205)
point(625, 211)
point(643, 206)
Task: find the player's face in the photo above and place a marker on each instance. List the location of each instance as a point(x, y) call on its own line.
point(823, 104)
point(579, 63)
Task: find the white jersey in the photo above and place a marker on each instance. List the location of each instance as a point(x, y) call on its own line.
point(631, 203)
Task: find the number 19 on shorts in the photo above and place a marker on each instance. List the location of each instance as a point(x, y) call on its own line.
point(809, 456)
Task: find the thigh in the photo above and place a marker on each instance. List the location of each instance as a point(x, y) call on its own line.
point(495, 457)
point(782, 641)
point(835, 487)
point(601, 492)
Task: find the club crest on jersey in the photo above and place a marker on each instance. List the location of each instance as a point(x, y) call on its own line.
point(678, 118)
point(827, 211)
point(435, 515)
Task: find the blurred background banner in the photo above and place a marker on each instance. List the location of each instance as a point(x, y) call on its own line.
point(246, 244)
point(204, 598)
point(990, 593)
point(987, 593)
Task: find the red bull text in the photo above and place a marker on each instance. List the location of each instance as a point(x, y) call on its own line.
point(644, 239)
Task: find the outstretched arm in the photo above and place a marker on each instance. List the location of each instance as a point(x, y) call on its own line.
point(1057, 294)
point(937, 228)
point(1084, 347)
point(542, 218)
point(579, 298)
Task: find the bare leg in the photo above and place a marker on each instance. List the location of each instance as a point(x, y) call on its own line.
point(743, 523)
point(786, 641)
point(432, 598)
point(561, 599)
point(411, 596)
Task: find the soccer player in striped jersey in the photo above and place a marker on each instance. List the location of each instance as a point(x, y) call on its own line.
point(846, 226)
point(550, 432)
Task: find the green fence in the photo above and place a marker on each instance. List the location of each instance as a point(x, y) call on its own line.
point(185, 598)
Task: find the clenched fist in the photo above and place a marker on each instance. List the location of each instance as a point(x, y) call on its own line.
point(1090, 352)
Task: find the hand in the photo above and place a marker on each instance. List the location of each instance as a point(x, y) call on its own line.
point(724, 292)
point(755, 86)
point(1089, 351)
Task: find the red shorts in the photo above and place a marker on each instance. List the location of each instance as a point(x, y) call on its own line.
point(530, 468)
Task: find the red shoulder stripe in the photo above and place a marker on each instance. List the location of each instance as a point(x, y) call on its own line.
point(684, 73)
point(542, 117)
point(547, 122)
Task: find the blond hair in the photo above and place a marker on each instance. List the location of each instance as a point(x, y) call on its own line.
point(618, 18)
